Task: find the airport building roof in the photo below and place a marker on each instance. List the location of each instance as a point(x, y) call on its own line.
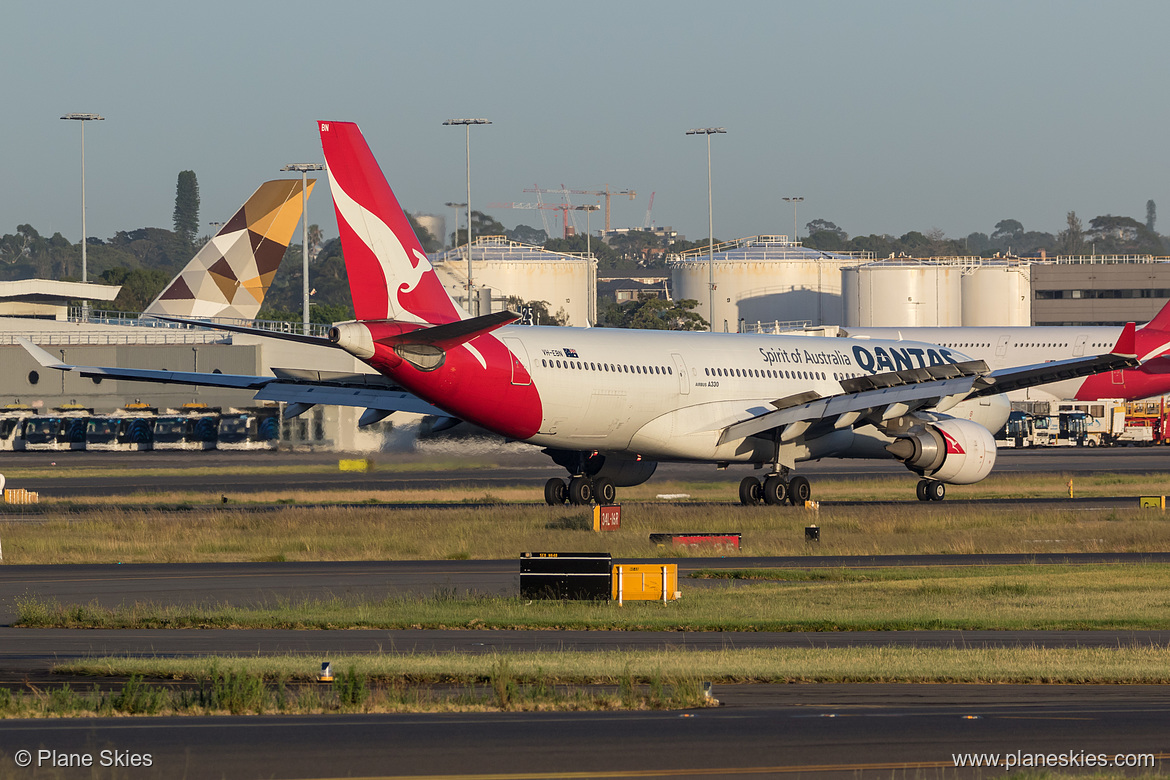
point(50, 291)
point(48, 299)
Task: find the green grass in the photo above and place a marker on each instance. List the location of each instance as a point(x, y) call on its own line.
point(223, 686)
point(119, 535)
point(1120, 597)
point(1146, 665)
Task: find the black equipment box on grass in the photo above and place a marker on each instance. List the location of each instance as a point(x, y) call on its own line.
point(558, 575)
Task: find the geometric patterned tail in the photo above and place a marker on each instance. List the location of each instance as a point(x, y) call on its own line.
point(230, 275)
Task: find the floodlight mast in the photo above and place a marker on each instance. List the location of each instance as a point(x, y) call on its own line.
point(709, 131)
point(83, 118)
point(588, 209)
point(472, 301)
point(794, 200)
point(304, 169)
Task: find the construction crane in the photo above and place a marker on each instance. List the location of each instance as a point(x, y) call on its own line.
point(646, 222)
point(607, 193)
point(564, 208)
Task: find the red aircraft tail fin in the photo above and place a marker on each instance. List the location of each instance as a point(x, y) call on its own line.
point(1161, 320)
point(390, 277)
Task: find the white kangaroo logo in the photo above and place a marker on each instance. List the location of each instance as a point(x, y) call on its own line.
point(402, 275)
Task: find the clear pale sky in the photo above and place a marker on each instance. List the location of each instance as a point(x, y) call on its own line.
point(887, 117)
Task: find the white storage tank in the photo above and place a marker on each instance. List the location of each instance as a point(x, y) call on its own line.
point(435, 225)
point(566, 283)
point(762, 282)
point(903, 293)
point(998, 295)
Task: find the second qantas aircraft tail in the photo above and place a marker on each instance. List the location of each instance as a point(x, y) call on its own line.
point(390, 277)
point(1161, 320)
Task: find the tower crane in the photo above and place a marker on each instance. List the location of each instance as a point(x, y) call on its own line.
point(607, 193)
point(566, 229)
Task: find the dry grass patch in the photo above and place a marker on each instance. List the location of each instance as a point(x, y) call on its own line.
point(1130, 665)
point(113, 535)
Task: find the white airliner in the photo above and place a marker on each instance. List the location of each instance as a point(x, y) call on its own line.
point(1001, 347)
point(608, 404)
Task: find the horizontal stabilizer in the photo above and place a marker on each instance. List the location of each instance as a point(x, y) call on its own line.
point(453, 334)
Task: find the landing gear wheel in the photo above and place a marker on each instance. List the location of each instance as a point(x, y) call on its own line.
point(935, 491)
point(799, 491)
point(920, 490)
point(555, 492)
point(775, 490)
point(580, 491)
point(750, 491)
point(604, 491)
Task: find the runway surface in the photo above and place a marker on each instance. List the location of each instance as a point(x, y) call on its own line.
point(523, 467)
point(249, 584)
point(820, 731)
point(811, 730)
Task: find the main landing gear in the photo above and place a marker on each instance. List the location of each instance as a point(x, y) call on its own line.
point(580, 490)
point(929, 490)
point(774, 490)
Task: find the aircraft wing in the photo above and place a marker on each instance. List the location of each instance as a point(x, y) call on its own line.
point(293, 386)
point(879, 397)
point(902, 396)
point(271, 334)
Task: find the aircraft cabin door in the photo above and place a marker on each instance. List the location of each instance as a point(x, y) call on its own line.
point(684, 381)
point(520, 373)
point(1079, 346)
point(1001, 346)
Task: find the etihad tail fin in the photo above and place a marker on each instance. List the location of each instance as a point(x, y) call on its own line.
point(230, 275)
point(390, 277)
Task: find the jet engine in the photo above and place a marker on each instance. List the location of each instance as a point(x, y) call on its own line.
point(959, 452)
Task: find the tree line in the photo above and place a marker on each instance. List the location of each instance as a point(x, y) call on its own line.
point(145, 259)
point(1105, 235)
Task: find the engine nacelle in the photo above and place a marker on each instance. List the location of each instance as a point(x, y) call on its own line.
point(959, 452)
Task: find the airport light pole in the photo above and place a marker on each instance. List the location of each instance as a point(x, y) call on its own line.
point(588, 209)
point(709, 131)
point(794, 200)
point(455, 226)
point(83, 118)
point(304, 169)
point(472, 303)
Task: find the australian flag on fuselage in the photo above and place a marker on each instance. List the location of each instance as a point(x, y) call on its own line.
point(570, 352)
